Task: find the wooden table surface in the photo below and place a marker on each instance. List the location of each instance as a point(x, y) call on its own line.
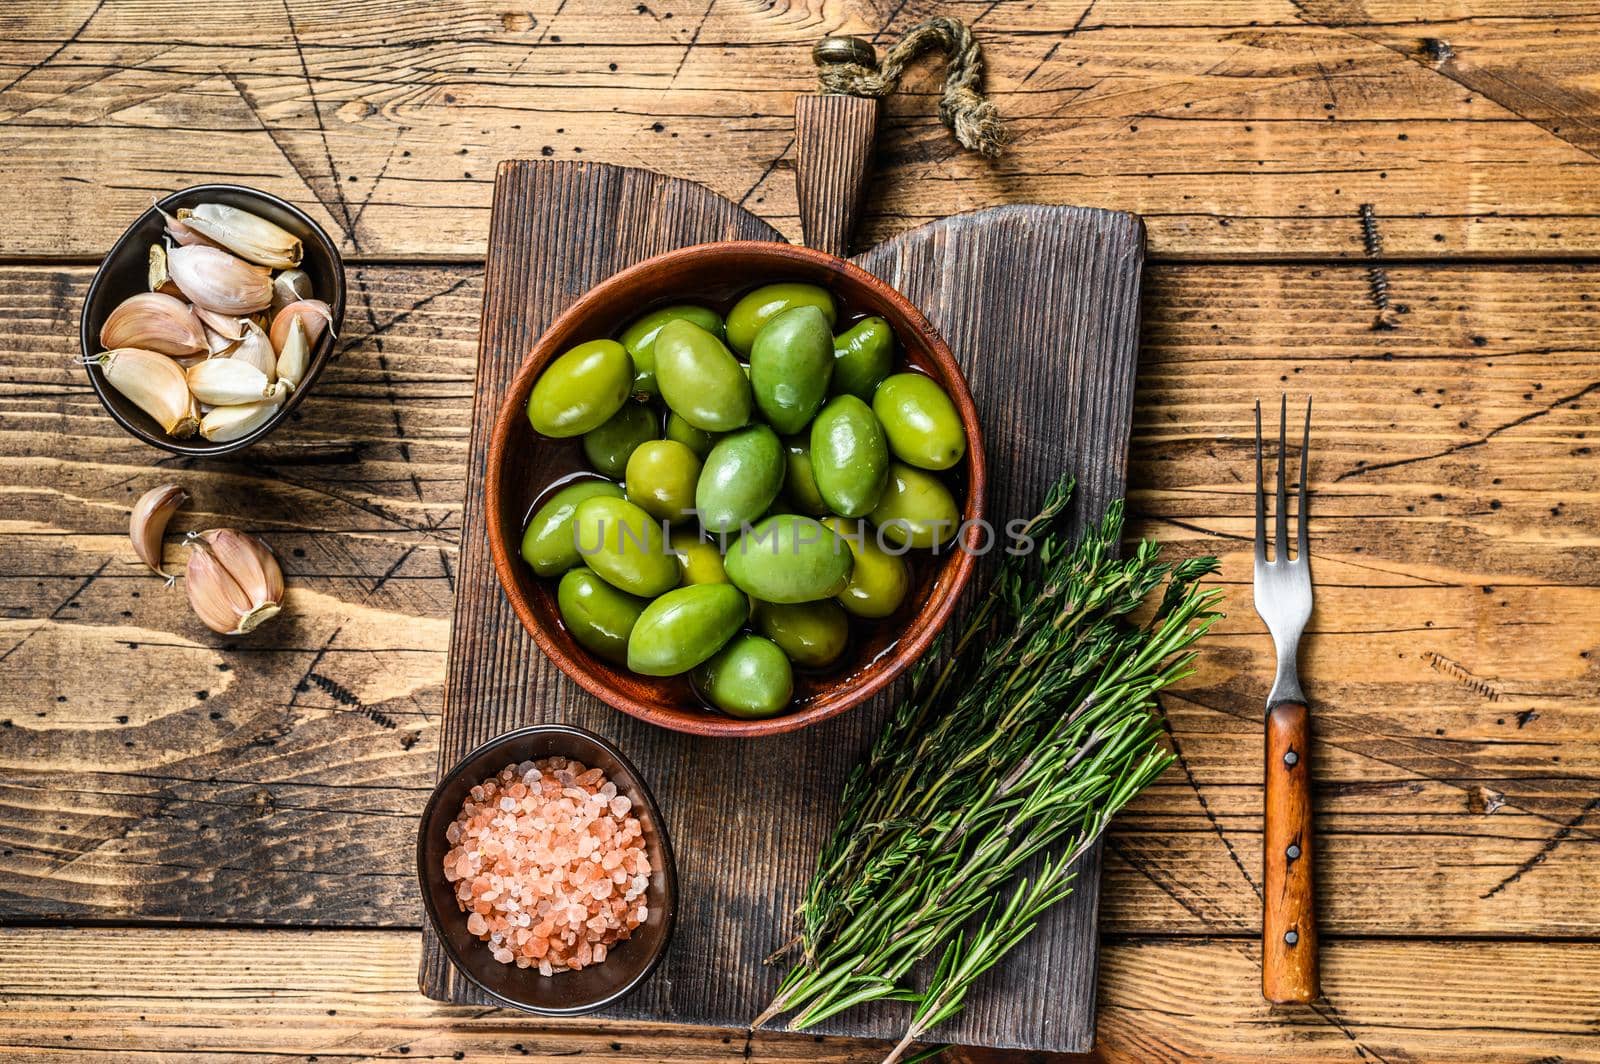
point(205, 844)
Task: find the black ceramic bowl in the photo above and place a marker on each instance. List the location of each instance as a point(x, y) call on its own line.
point(125, 271)
point(628, 963)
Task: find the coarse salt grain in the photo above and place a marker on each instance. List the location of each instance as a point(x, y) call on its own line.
point(557, 831)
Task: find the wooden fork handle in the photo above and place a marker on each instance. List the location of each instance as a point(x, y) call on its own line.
point(1289, 925)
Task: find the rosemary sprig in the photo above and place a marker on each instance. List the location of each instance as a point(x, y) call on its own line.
point(1017, 746)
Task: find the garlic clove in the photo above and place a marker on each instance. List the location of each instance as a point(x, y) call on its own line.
point(217, 346)
point(255, 349)
point(247, 235)
point(227, 381)
point(154, 322)
point(217, 281)
point(314, 312)
point(224, 423)
point(290, 286)
point(148, 523)
point(224, 325)
point(296, 353)
point(156, 271)
point(181, 233)
point(154, 383)
point(233, 580)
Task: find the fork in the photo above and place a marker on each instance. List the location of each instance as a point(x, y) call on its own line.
point(1283, 599)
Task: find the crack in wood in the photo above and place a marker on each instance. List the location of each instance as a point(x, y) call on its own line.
point(1562, 834)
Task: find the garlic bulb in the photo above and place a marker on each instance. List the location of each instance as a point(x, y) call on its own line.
point(288, 287)
point(155, 384)
point(247, 235)
point(148, 523)
point(233, 580)
point(224, 423)
point(217, 281)
point(154, 322)
point(314, 312)
point(256, 350)
point(230, 381)
point(296, 353)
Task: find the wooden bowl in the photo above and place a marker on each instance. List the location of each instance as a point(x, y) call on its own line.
point(523, 465)
point(124, 271)
point(628, 963)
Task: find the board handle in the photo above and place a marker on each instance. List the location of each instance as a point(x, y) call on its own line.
point(1289, 923)
point(834, 136)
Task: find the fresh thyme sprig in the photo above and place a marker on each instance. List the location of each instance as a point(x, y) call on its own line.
point(1018, 746)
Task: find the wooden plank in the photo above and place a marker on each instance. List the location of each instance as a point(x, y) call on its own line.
point(737, 881)
point(289, 995)
point(1434, 697)
point(1237, 129)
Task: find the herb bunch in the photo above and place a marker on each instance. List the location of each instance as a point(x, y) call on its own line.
point(1014, 750)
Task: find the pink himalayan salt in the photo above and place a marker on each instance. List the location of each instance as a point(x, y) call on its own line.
point(548, 865)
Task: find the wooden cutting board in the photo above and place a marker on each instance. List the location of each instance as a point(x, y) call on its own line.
point(1041, 306)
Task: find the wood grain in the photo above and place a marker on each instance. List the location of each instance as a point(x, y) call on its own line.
point(963, 274)
point(1238, 128)
point(1289, 915)
point(834, 139)
point(350, 996)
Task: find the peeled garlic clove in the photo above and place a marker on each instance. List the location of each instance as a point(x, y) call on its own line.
point(296, 353)
point(154, 383)
point(227, 381)
point(315, 314)
point(154, 322)
point(148, 523)
point(233, 580)
point(224, 325)
point(247, 235)
point(217, 281)
point(290, 286)
point(256, 350)
point(156, 271)
point(224, 423)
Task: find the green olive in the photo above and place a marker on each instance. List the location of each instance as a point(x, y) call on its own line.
point(700, 379)
point(813, 634)
point(789, 558)
point(757, 308)
point(697, 440)
point(660, 479)
point(624, 545)
point(609, 446)
point(741, 477)
point(639, 339)
point(879, 580)
point(580, 390)
point(699, 559)
point(548, 543)
point(799, 483)
point(599, 616)
point(862, 357)
point(921, 422)
point(849, 456)
point(749, 678)
point(917, 510)
point(790, 365)
point(684, 627)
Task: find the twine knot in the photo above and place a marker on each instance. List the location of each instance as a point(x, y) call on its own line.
point(972, 117)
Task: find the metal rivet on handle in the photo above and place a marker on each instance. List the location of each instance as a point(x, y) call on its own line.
point(1291, 759)
point(845, 49)
point(1291, 937)
point(1292, 852)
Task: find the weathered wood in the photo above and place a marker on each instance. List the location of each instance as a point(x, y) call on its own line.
point(1482, 711)
point(738, 883)
point(1250, 127)
point(286, 995)
point(834, 138)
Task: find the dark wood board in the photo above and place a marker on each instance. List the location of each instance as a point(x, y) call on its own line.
point(1041, 306)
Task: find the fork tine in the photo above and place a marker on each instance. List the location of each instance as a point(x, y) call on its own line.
point(1301, 550)
point(1261, 500)
point(1280, 536)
